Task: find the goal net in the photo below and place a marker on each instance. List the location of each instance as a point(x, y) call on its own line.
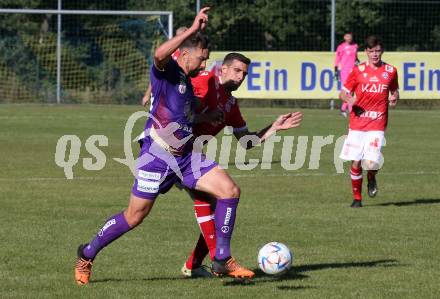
point(104, 58)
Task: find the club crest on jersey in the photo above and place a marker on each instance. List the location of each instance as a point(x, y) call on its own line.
point(182, 88)
point(389, 68)
point(362, 67)
point(385, 75)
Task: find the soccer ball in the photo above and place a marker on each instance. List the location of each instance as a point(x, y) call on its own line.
point(275, 258)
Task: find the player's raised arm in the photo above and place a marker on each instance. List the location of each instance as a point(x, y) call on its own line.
point(163, 53)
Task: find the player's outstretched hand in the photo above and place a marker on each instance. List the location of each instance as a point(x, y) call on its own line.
point(201, 20)
point(288, 121)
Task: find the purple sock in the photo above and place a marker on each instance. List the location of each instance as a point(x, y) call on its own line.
point(113, 228)
point(224, 225)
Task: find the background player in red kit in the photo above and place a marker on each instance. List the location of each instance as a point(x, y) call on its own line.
point(372, 83)
point(215, 93)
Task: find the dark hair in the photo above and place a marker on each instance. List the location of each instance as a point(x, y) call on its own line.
point(236, 56)
point(373, 41)
point(197, 40)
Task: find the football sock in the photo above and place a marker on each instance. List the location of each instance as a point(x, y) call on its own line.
point(371, 174)
point(206, 243)
point(224, 225)
point(356, 182)
point(205, 217)
point(113, 228)
point(198, 255)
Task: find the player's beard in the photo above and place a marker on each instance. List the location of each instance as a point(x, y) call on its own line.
point(194, 73)
point(231, 85)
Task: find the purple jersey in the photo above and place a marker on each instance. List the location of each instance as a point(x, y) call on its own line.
point(173, 105)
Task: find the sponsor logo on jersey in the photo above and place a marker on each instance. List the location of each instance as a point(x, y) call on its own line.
point(389, 68)
point(106, 226)
point(149, 175)
point(372, 114)
point(374, 79)
point(374, 87)
point(186, 128)
point(225, 229)
point(385, 75)
point(148, 186)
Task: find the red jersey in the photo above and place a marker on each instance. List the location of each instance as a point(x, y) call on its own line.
point(371, 87)
point(207, 87)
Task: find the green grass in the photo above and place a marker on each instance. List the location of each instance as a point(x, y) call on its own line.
point(388, 249)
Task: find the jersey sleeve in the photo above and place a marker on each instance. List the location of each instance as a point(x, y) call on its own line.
point(201, 84)
point(394, 84)
point(351, 82)
point(166, 72)
point(236, 119)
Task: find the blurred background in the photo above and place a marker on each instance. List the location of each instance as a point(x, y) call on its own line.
point(105, 58)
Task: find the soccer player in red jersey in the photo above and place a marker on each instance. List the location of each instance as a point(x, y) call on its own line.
point(375, 86)
point(215, 93)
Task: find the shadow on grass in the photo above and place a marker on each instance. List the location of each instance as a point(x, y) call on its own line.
point(296, 273)
point(295, 288)
point(424, 201)
point(369, 264)
point(110, 279)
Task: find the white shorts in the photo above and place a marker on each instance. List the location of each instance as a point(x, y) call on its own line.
point(361, 145)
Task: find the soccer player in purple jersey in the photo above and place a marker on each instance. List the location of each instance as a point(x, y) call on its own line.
point(166, 156)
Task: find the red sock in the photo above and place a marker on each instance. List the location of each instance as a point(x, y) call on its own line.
point(356, 182)
point(206, 242)
point(198, 255)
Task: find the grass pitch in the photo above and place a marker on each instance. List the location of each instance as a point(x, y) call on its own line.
point(388, 249)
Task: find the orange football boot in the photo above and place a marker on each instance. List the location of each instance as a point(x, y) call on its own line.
point(83, 267)
point(231, 268)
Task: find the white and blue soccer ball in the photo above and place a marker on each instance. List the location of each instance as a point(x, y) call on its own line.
point(275, 258)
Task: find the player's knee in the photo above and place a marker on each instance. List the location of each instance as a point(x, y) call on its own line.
point(370, 165)
point(356, 164)
point(134, 218)
point(233, 191)
point(236, 192)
